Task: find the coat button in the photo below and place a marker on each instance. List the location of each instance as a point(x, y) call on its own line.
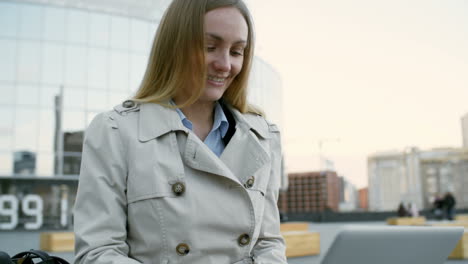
point(128, 104)
point(178, 188)
point(243, 240)
point(250, 182)
point(182, 249)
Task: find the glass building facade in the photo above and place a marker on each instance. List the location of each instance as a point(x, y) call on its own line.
point(90, 60)
point(62, 63)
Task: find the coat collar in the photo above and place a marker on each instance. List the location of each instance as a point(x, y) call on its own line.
point(156, 120)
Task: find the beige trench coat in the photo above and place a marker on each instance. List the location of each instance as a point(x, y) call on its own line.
point(151, 191)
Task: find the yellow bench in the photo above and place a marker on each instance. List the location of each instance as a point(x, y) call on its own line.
point(301, 243)
point(294, 226)
point(406, 221)
point(461, 217)
point(57, 241)
point(299, 240)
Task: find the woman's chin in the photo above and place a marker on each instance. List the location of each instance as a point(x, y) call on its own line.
point(212, 93)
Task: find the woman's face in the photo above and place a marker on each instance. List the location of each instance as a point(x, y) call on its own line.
point(226, 34)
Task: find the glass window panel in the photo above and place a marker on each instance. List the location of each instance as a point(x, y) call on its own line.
point(47, 97)
point(26, 127)
point(8, 93)
point(45, 164)
point(99, 25)
point(6, 128)
point(46, 130)
point(116, 98)
point(118, 79)
point(97, 68)
point(139, 36)
point(77, 26)
point(73, 121)
point(8, 19)
point(152, 33)
point(119, 33)
point(30, 26)
point(137, 70)
point(8, 60)
point(97, 100)
point(6, 164)
point(27, 95)
point(75, 66)
point(54, 24)
point(74, 99)
point(29, 61)
point(52, 70)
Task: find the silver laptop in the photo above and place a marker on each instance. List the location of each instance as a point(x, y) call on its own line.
point(393, 245)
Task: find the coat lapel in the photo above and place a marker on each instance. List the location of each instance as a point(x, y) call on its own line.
point(198, 156)
point(242, 157)
point(245, 155)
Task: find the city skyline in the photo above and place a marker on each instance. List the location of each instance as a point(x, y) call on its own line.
point(377, 76)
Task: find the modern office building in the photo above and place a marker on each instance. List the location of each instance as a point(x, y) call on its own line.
point(349, 199)
point(394, 177)
point(464, 123)
point(445, 170)
point(61, 63)
point(417, 176)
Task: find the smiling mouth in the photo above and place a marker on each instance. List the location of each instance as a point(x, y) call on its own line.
point(216, 79)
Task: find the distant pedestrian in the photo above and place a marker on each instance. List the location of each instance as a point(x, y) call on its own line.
point(413, 209)
point(438, 207)
point(402, 212)
point(449, 202)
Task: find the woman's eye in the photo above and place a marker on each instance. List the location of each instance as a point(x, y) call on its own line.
point(210, 48)
point(237, 52)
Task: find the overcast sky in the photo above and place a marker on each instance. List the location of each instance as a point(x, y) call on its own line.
point(364, 76)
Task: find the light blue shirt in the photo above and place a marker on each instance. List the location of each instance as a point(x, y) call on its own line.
point(214, 140)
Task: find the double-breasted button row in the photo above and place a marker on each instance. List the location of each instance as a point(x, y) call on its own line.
point(178, 188)
point(243, 240)
point(182, 249)
point(250, 182)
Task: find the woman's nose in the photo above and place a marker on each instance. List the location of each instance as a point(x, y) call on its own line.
point(222, 62)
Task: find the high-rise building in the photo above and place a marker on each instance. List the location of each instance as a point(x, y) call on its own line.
point(394, 177)
point(417, 176)
point(464, 123)
point(363, 198)
point(349, 196)
point(62, 62)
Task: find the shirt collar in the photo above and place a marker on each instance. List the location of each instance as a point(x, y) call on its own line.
point(220, 120)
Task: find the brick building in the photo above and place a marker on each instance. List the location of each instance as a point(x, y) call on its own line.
point(311, 192)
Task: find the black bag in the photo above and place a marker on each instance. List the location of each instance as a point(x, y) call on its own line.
point(27, 257)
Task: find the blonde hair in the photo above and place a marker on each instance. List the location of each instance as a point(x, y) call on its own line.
point(177, 58)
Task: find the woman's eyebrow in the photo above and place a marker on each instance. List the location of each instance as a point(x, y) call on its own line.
point(219, 38)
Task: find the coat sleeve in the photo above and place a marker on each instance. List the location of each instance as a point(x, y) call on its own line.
point(100, 213)
point(270, 247)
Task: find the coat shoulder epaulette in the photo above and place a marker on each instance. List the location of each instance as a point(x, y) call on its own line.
point(258, 123)
point(126, 107)
point(273, 128)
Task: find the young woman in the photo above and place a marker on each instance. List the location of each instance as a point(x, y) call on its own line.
point(186, 171)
